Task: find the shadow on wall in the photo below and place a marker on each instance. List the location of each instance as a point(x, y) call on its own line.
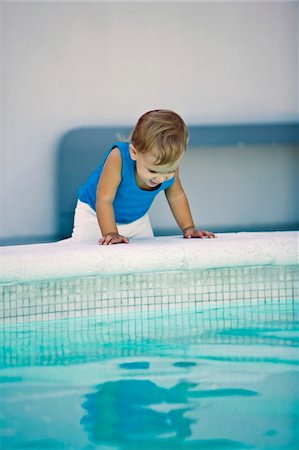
point(81, 150)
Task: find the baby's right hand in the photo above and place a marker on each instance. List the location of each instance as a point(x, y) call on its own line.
point(113, 238)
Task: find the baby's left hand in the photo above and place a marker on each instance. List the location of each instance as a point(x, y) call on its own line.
point(192, 232)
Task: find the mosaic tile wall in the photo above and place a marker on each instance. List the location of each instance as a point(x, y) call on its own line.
point(160, 291)
point(142, 332)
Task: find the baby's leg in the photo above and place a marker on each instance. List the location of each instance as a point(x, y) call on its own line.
point(140, 228)
point(86, 227)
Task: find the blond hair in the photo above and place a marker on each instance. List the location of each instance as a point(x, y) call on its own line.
point(163, 131)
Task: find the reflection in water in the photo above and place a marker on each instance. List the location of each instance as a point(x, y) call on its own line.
point(126, 412)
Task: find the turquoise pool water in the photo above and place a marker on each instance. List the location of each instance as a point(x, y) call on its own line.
point(207, 378)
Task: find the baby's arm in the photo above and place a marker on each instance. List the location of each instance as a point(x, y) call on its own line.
point(106, 190)
point(180, 208)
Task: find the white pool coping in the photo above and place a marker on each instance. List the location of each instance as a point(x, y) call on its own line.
point(64, 259)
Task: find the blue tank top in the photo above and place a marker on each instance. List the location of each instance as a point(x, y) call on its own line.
point(130, 202)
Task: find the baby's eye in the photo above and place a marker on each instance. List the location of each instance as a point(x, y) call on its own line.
point(155, 171)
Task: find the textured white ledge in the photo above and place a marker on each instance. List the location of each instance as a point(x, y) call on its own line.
point(66, 259)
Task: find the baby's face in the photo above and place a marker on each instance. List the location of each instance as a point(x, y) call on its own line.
point(149, 173)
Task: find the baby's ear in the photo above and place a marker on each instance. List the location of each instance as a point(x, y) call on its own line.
point(133, 152)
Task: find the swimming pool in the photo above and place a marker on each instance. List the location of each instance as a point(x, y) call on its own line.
point(197, 349)
point(190, 373)
point(212, 377)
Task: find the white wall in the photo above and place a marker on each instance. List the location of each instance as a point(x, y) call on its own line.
point(71, 64)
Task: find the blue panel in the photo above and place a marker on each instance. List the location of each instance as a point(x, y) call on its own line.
point(222, 135)
point(81, 150)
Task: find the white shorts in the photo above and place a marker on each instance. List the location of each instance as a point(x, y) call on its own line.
point(86, 227)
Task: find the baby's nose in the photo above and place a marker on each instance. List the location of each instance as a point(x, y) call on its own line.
point(161, 178)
